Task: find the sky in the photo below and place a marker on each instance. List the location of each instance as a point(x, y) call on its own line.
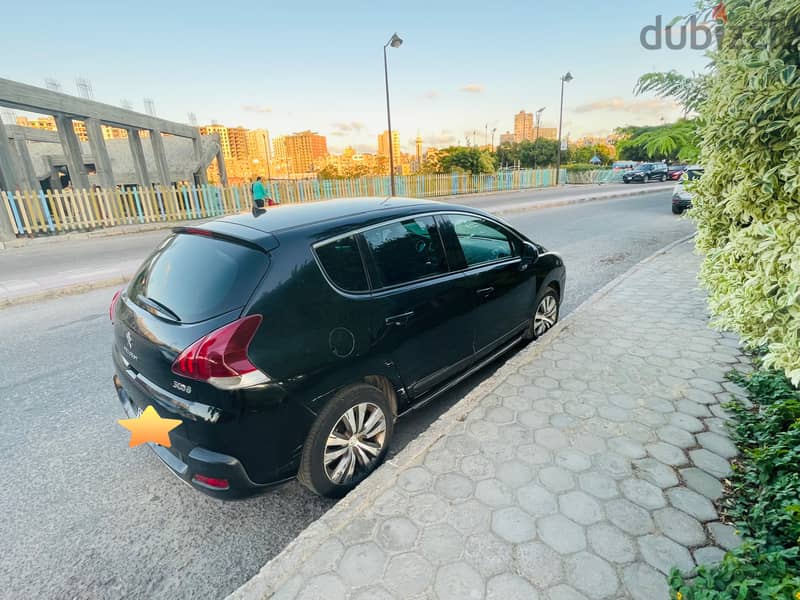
point(290, 66)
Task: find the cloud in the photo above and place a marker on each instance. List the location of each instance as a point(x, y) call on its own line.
point(443, 139)
point(431, 95)
point(257, 109)
point(345, 127)
point(472, 88)
point(649, 105)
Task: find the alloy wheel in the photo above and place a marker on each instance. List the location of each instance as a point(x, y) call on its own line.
point(546, 315)
point(355, 442)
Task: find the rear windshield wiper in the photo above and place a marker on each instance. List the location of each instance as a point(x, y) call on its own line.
point(160, 307)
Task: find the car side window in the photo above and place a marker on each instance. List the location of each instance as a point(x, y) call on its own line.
point(482, 240)
point(341, 260)
point(406, 251)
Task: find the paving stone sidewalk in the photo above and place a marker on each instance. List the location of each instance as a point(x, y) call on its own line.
point(585, 468)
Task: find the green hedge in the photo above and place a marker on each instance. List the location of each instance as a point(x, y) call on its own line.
point(747, 204)
point(763, 500)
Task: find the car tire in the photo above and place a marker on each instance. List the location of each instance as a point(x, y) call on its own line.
point(663, 178)
point(333, 421)
point(676, 210)
point(543, 304)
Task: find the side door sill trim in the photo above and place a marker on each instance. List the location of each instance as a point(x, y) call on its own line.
point(458, 379)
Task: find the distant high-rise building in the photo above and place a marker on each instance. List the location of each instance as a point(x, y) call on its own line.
point(507, 138)
point(79, 127)
point(259, 147)
point(418, 147)
point(548, 133)
point(383, 144)
point(523, 126)
point(237, 141)
point(300, 152)
point(222, 131)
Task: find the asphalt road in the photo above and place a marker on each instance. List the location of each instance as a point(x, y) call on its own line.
point(84, 516)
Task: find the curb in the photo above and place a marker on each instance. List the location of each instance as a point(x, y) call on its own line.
point(69, 290)
point(115, 231)
point(284, 565)
point(573, 201)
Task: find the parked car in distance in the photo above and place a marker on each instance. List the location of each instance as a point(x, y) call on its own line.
point(623, 165)
point(681, 197)
point(646, 172)
point(675, 172)
point(289, 341)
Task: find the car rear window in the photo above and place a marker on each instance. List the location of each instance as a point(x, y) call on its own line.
point(342, 263)
point(196, 277)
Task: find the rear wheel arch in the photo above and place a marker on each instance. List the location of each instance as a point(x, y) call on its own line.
point(312, 469)
point(385, 385)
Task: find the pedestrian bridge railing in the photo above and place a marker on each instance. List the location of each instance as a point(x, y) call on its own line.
point(59, 211)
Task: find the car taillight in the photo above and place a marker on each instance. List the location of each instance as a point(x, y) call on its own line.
point(220, 358)
point(212, 482)
point(113, 307)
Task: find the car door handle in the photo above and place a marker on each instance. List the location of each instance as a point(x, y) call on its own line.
point(400, 319)
point(485, 292)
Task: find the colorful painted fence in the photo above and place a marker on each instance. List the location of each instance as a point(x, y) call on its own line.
point(53, 212)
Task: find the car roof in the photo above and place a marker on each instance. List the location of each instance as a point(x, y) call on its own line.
point(323, 218)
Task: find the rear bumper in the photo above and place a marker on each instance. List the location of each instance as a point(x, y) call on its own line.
point(196, 460)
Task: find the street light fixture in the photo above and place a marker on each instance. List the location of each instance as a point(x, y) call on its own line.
point(566, 78)
point(395, 42)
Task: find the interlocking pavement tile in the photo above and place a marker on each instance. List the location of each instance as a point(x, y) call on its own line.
point(513, 525)
point(508, 586)
point(591, 575)
point(663, 554)
point(703, 483)
point(407, 575)
point(725, 535)
point(561, 534)
point(692, 503)
point(643, 493)
point(459, 581)
point(611, 543)
point(580, 507)
point(680, 527)
point(645, 583)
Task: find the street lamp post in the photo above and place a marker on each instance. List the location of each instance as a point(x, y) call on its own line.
point(394, 42)
point(566, 78)
point(536, 137)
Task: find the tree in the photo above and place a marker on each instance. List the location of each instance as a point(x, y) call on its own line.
point(673, 141)
point(747, 204)
point(689, 91)
point(330, 171)
point(467, 160)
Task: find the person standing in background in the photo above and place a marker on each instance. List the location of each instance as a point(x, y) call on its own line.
point(259, 193)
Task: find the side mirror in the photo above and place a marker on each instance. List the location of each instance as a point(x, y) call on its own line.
point(529, 255)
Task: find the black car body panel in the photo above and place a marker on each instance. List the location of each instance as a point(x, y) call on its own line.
point(316, 337)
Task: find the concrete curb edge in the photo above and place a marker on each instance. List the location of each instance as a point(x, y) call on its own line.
point(69, 290)
point(285, 564)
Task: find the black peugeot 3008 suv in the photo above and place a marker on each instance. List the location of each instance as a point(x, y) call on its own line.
point(289, 341)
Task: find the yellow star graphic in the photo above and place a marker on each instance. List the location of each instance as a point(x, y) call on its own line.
point(150, 427)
